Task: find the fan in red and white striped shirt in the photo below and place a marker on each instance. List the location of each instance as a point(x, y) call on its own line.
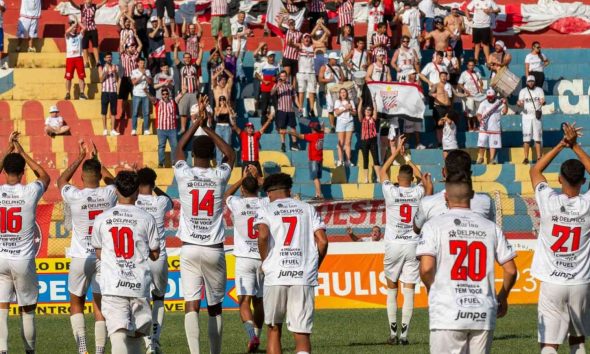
point(165, 112)
point(346, 13)
point(292, 36)
point(317, 6)
point(285, 96)
point(129, 60)
point(219, 8)
point(380, 40)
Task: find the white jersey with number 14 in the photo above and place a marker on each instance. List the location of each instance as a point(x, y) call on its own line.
point(401, 204)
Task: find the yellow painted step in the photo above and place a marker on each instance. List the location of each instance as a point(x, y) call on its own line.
point(37, 60)
point(28, 76)
point(51, 91)
point(42, 45)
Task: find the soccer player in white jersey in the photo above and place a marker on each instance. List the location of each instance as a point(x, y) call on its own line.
point(561, 261)
point(292, 243)
point(85, 204)
point(125, 237)
point(457, 252)
point(249, 277)
point(457, 161)
point(202, 257)
point(400, 263)
point(18, 230)
point(158, 206)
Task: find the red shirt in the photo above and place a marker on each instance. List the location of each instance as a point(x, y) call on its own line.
point(316, 146)
point(388, 8)
point(250, 146)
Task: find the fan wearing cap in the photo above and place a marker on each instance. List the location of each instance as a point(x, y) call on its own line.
point(454, 24)
point(380, 42)
point(499, 58)
point(74, 60)
point(490, 129)
point(471, 85)
point(531, 99)
point(379, 71)
point(331, 74)
point(440, 36)
point(442, 93)
point(315, 154)
point(453, 65)
point(267, 75)
point(157, 49)
point(250, 142)
point(54, 124)
point(481, 12)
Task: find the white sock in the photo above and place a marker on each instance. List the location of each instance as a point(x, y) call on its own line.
point(100, 336)
point(577, 348)
point(4, 330)
point(191, 328)
point(79, 330)
point(215, 330)
point(407, 310)
point(257, 331)
point(157, 319)
point(28, 330)
point(548, 350)
point(249, 327)
point(391, 304)
point(135, 345)
point(302, 353)
point(119, 342)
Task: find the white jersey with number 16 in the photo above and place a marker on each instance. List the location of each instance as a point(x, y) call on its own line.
point(401, 204)
point(292, 252)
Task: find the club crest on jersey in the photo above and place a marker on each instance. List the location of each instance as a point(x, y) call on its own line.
point(452, 233)
point(457, 222)
point(4, 195)
point(115, 212)
point(139, 202)
point(554, 218)
point(109, 221)
point(84, 207)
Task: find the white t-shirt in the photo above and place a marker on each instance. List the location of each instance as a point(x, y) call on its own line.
point(563, 243)
point(138, 90)
point(292, 252)
point(74, 46)
point(375, 17)
point(493, 113)
point(401, 204)
point(258, 64)
point(359, 59)
point(243, 211)
point(449, 138)
point(465, 245)
point(345, 117)
point(30, 8)
point(54, 122)
point(158, 207)
point(532, 100)
point(471, 81)
point(306, 59)
point(435, 205)
point(406, 59)
point(201, 202)
point(432, 71)
point(480, 18)
point(411, 18)
point(240, 43)
point(18, 206)
point(125, 235)
point(427, 7)
point(535, 63)
point(85, 205)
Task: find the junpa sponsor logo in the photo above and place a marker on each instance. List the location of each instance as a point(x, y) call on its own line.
point(290, 262)
point(291, 274)
point(128, 284)
point(473, 316)
point(470, 301)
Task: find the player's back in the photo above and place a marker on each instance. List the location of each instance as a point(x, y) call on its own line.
point(292, 252)
point(201, 202)
point(125, 234)
point(401, 204)
point(18, 207)
point(466, 247)
point(563, 245)
point(85, 205)
point(157, 206)
point(243, 211)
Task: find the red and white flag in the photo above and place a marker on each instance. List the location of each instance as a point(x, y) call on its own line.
point(277, 17)
point(398, 100)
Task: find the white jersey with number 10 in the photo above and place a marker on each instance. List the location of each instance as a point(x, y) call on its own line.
point(201, 202)
point(563, 246)
point(243, 211)
point(401, 204)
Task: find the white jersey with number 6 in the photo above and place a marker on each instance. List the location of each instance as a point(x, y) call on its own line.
point(85, 205)
point(292, 252)
point(401, 204)
point(125, 235)
point(201, 202)
point(465, 246)
point(561, 256)
point(157, 206)
point(243, 211)
point(18, 208)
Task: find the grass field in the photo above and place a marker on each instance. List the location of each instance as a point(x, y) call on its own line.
point(335, 332)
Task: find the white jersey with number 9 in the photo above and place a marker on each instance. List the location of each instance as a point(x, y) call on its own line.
point(401, 204)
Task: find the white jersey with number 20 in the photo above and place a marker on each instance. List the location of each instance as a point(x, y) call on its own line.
point(401, 204)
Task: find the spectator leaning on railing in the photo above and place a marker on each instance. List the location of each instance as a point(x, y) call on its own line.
point(375, 235)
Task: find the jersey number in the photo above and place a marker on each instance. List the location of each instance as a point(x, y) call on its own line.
point(252, 232)
point(476, 255)
point(405, 212)
point(123, 242)
point(292, 222)
point(91, 216)
point(10, 221)
point(205, 204)
point(564, 232)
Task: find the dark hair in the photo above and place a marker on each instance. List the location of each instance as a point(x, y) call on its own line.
point(459, 177)
point(140, 59)
point(250, 185)
point(92, 166)
point(14, 164)
point(406, 171)
point(440, 53)
point(126, 183)
point(453, 115)
point(458, 161)
point(471, 60)
point(147, 177)
point(572, 171)
point(203, 147)
point(107, 53)
point(404, 37)
point(164, 90)
point(381, 24)
point(277, 181)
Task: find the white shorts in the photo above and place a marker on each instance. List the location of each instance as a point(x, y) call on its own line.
point(461, 342)
point(159, 269)
point(415, 44)
point(306, 83)
point(295, 302)
point(532, 129)
point(412, 127)
point(249, 277)
point(18, 277)
point(84, 272)
point(563, 310)
point(329, 101)
point(132, 314)
point(400, 263)
point(393, 130)
point(489, 141)
point(343, 126)
point(203, 267)
point(27, 27)
point(470, 106)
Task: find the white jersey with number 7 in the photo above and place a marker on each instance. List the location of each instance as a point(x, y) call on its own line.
point(401, 204)
point(563, 246)
point(292, 251)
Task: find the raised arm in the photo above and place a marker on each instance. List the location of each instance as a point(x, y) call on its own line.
point(76, 6)
point(578, 150)
point(107, 176)
point(267, 123)
point(384, 174)
point(14, 135)
point(39, 171)
point(68, 173)
point(224, 147)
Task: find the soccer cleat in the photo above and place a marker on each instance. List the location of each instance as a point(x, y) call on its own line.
point(253, 344)
point(134, 132)
point(392, 340)
point(404, 341)
point(82, 96)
